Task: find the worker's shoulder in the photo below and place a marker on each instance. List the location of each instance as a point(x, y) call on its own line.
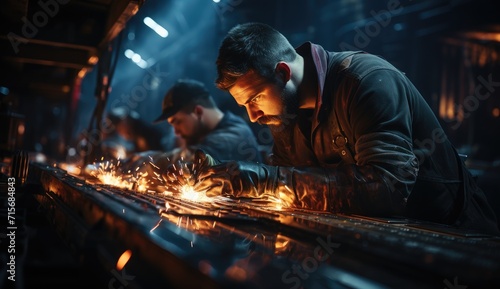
point(363, 64)
point(232, 119)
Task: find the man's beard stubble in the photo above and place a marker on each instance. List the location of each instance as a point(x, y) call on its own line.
point(197, 136)
point(290, 111)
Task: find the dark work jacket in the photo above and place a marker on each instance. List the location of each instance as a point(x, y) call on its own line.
point(231, 139)
point(380, 144)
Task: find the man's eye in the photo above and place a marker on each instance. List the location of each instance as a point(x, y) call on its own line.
point(255, 99)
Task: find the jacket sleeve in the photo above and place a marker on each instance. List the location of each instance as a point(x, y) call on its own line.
point(351, 188)
point(378, 112)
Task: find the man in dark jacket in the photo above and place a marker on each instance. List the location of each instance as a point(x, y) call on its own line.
point(351, 134)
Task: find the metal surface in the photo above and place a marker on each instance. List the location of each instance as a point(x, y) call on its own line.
point(246, 244)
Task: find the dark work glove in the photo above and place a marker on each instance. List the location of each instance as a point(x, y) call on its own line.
point(237, 179)
point(346, 189)
point(307, 188)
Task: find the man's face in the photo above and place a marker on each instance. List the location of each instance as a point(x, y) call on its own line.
point(188, 126)
point(266, 102)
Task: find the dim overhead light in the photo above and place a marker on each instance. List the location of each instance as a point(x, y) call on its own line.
point(156, 27)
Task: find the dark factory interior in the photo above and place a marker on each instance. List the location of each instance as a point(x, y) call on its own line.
point(66, 64)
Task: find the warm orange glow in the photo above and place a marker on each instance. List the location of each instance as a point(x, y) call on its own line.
point(70, 168)
point(120, 152)
point(20, 129)
point(483, 36)
point(93, 60)
point(187, 192)
point(286, 198)
point(124, 258)
point(281, 243)
point(108, 173)
point(496, 112)
point(236, 273)
point(82, 72)
point(442, 106)
point(205, 267)
point(450, 109)
point(156, 226)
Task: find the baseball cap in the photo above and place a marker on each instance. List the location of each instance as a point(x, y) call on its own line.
point(181, 94)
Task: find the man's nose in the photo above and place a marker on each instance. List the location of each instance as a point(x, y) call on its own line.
point(254, 114)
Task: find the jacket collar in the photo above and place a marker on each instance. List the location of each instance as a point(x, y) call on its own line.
point(320, 58)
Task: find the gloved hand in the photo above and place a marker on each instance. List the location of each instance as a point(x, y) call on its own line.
point(234, 178)
point(343, 189)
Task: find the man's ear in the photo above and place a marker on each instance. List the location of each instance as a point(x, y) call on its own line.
point(198, 110)
point(283, 71)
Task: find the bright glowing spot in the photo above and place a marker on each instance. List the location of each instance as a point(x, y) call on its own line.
point(70, 168)
point(93, 60)
point(129, 53)
point(120, 153)
point(122, 261)
point(41, 158)
point(156, 226)
point(216, 1)
point(156, 27)
point(281, 242)
point(187, 192)
point(71, 152)
point(136, 58)
point(108, 174)
point(142, 64)
point(82, 72)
